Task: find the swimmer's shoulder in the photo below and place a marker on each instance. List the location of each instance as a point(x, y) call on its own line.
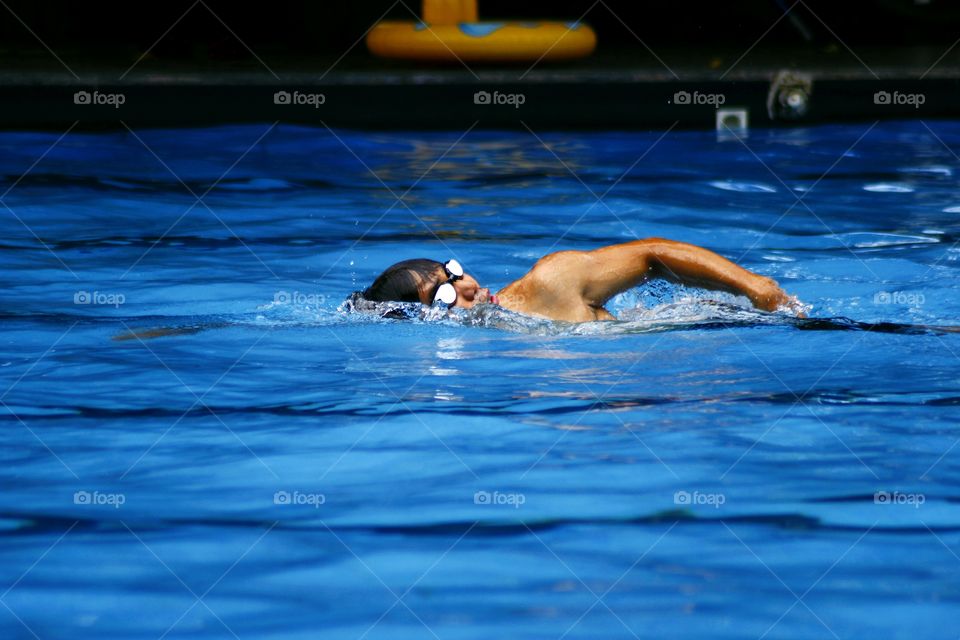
point(553, 288)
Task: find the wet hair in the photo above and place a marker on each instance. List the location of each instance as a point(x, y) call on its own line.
point(399, 282)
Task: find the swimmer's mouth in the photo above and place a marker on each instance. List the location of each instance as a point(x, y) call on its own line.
point(494, 299)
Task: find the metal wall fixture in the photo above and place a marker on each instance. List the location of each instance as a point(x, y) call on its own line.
point(789, 95)
point(732, 123)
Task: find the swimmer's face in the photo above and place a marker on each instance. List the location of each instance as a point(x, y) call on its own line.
point(469, 291)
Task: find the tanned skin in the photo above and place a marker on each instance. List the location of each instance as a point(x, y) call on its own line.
point(574, 286)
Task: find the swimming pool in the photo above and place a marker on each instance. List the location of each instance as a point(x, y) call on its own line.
point(281, 469)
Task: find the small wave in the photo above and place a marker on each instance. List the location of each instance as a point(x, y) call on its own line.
point(119, 184)
point(888, 187)
point(874, 240)
point(936, 169)
point(689, 311)
point(255, 184)
point(742, 187)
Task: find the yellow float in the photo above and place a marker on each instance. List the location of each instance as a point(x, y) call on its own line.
point(450, 31)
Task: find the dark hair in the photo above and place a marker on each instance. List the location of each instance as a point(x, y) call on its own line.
point(398, 282)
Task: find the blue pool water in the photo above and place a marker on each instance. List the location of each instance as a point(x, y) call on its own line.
point(278, 468)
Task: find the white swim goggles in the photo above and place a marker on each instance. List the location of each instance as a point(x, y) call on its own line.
point(446, 292)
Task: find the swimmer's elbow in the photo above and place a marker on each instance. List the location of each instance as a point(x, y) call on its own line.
point(616, 268)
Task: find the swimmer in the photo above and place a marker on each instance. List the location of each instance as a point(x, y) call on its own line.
point(574, 286)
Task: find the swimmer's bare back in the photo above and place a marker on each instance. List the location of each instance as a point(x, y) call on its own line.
point(574, 286)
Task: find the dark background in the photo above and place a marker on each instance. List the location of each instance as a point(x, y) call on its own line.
point(297, 34)
point(197, 63)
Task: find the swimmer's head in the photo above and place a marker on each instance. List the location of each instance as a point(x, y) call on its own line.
point(419, 281)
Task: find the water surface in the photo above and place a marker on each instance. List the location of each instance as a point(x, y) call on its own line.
point(292, 471)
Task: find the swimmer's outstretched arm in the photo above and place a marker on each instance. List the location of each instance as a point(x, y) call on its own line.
point(575, 285)
point(616, 268)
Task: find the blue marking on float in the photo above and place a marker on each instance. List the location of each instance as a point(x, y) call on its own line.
point(480, 29)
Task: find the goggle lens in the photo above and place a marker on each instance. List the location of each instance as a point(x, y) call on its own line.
point(446, 293)
point(453, 269)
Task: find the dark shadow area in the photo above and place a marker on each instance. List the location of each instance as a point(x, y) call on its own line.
point(202, 62)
